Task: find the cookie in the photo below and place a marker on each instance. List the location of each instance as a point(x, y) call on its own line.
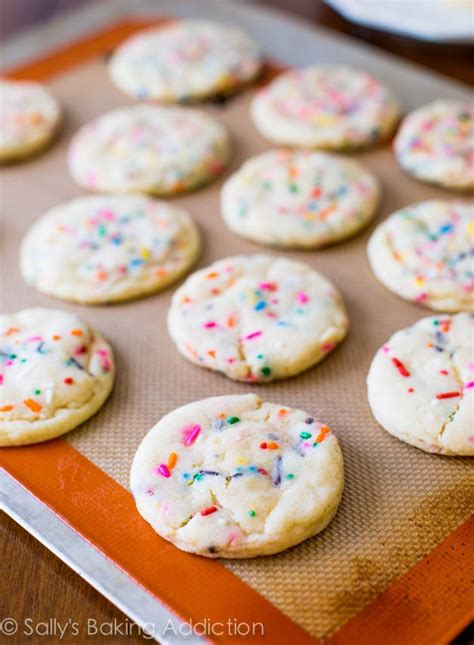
point(421, 385)
point(187, 60)
point(108, 248)
point(158, 150)
point(325, 106)
point(236, 477)
point(299, 199)
point(256, 318)
point(425, 253)
point(436, 144)
point(29, 118)
point(57, 372)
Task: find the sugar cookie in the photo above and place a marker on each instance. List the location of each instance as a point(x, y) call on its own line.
point(299, 199)
point(29, 118)
point(108, 248)
point(436, 144)
point(234, 477)
point(425, 253)
point(187, 60)
point(158, 150)
point(325, 106)
point(256, 317)
point(57, 372)
point(421, 385)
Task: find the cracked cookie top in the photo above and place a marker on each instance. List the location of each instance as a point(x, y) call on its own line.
point(234, 476)
point(55, 372)
point(421, 384)
point(299, 198)
point(425, 252)
point(186, 60)
point(257, 318)
point(108, 248)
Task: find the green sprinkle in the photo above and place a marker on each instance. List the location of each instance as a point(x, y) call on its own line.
point(290, 476)
point(260, 356)
point(315, 444)
point(232, 420)
point(12, 356)
point(198, 476)
point(37, 391)
point(266, 371)
point(252, 513)
point(293, 188)
point(305, 435)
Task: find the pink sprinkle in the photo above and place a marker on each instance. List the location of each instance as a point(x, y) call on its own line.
point(268, 286)
point(421, 297)
point(33, 339)
point(471, 439)
point(164, 470)
point(233, 536)
point(190, 434)
point(1, 379)
point(469, 385)
point(9, 362)
point(327, 347)
point(210, 325)
point(107, 214)
point(302, 297)
point(254, 334)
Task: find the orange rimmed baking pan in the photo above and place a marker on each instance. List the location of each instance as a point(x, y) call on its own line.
point(394, 565)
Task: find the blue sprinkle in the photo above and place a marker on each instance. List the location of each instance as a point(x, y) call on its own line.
point(260, 305)
point(447, 228)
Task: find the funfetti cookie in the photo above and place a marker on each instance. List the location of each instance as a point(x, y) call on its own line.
point(435, 143)
point(256, 318)
point(108, 248)
point(29, 118)
point(421, 384)
point(325, 106)
point(56, 371)
point(425, 253)
point(299, 198)
point(187, 60)
point(149, 149)
point(236, 477)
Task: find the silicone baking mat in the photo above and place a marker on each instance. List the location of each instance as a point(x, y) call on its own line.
point(398, 504)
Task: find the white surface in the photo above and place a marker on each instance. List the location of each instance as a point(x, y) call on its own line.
point(434, 20)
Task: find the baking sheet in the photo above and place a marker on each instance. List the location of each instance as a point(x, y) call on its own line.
point(398, 503)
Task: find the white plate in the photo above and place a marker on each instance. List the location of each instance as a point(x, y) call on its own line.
point(433, 20)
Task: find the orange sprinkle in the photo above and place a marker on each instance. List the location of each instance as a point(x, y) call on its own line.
point(101, 275)
point(185, 300)
point(160, 273)
point(33, 405)
point(323, 432)
point(7, 408)
point(272, 446)
point(231, 321)
point(11, 330)
point(172, 459)
point(211, 275)
point(282, 412)
point(76, 332)
point(221, 415)
point(212, 352)
point(56, 337)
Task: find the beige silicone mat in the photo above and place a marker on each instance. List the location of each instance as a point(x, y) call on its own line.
point(398, 503)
